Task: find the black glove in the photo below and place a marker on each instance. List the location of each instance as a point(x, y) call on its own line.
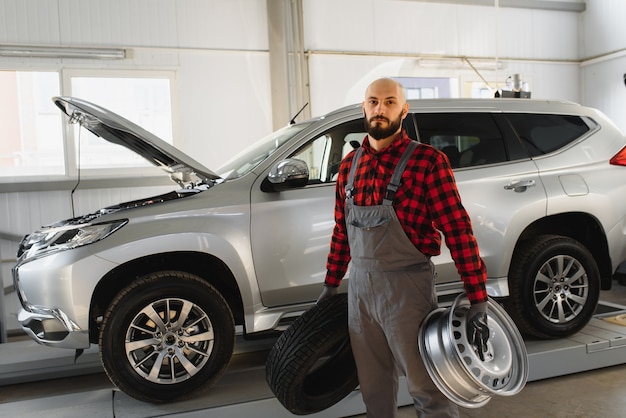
point(328, 292)
point(477, 328)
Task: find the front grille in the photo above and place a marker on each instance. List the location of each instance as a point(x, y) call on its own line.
point(21, 249)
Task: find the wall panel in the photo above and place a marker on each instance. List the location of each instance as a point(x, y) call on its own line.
point(602, 28)
point(115, 22)
point(29, 21)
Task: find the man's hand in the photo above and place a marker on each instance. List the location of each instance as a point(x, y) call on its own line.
point(477, 328)
point(328, 292)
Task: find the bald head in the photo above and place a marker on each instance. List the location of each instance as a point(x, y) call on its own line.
point(384, 107)
point(386, 87)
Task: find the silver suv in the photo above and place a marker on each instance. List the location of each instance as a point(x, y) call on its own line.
point(163, 284)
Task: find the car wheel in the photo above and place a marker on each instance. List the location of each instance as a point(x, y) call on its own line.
point(554, 287)
point(166, 336)
point(311, 367)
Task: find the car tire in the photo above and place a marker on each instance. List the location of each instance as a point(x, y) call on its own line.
point(554, 286)
point(166, 337)
point(311, 367)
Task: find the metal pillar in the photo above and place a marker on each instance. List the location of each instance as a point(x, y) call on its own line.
point(12, 238)
point(288, 63)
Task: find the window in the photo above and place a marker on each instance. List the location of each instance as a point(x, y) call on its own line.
point(468, 139)
point(422, 93)
point(479, 89)
point(427, 87)
point(144, 101)
point(32, 129)
point(35, 142)
point(542, 134)
point(324, 154)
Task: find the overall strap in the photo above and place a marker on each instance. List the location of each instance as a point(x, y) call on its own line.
point(397, 173)
point(350, 183)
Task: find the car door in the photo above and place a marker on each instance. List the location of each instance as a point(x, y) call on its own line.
point(499, 186)
point(291, 229)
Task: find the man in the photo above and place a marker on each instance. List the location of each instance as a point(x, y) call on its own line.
point(390, 234)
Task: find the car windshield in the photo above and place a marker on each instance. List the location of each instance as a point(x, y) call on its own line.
point(256, 153)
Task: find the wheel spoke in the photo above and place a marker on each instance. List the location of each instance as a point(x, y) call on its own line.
point(189, 366)
point(183, 314)
point(204, 336)
point(560, 311)
point(145, 359)
point(575, 277)
point(139, 344)
point(542, 278)
point(197, 321)
point(166, 312)
point(142, 329)
point(156, 367)
point(549, 268)
point(541, 304)
point(580, 300)
point(559, 266)
point(196, 351)
point(154, 316)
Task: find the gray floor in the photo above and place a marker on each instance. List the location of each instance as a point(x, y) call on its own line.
point(593, 394)
point(597, 393)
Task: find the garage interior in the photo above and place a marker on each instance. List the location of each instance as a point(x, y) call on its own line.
point(234, 71)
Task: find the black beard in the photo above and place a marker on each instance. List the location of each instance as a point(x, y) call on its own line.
point(377, 132)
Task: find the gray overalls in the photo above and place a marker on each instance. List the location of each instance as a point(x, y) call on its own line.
point(391, 291)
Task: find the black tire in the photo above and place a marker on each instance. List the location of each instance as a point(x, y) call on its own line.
point(311, 367)
point(142, 328)
point(554, 287)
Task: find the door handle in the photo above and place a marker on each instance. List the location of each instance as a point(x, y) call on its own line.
point(520, 185)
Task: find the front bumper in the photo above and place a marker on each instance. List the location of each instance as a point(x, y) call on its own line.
point(52, 327)
point(55, 293)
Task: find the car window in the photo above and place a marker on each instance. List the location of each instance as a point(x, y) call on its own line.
point(468, 139)
point(324, 153)
point(254, 154)
point(542, 134)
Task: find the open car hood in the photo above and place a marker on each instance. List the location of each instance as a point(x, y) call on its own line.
point(116, 129)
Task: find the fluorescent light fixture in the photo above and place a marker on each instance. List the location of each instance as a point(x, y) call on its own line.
point(60, 52)
point(577, 6)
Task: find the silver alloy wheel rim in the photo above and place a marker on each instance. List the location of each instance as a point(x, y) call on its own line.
point(169, 341)
point(457, 370)
point(561, 289)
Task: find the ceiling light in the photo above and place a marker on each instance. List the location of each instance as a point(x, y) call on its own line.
point(60, 52)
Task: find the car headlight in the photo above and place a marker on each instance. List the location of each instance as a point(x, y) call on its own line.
point(65, 237)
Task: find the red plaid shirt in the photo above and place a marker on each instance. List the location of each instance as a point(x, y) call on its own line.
point(426, 201)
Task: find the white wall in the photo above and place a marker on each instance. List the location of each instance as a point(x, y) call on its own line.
point(603, 45)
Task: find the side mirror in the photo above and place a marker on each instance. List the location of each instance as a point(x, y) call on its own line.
point(288, 174)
